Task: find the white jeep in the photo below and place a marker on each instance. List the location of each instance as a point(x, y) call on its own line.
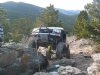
point(53, 38)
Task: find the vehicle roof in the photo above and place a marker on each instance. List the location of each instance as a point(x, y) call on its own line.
point(50, 28)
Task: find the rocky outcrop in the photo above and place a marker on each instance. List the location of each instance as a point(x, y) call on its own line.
point(64, 70)
point(94, 69)
point(62, 67)
point(68, 70)
point(62, 62)
point(17, 60)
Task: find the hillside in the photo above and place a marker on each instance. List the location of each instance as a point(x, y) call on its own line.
point(24, 10)
point(68, 12)
point(20, 10)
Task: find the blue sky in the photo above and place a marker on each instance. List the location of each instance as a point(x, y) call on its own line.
point(64, 4)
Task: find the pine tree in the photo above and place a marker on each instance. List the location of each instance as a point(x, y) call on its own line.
point(80, 27)
point(49, 17)
point(21, 27)
point(2, 14)
point(93, 10)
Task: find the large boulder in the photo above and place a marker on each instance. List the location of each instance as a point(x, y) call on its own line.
point(64, 70)
point(94, 69)
point(17, 60)
point(96, 57)
point(68, 70)
point(65, 62)
point(62, 62)
point(43, 73)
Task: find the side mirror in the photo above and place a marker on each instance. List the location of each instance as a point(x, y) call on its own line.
point(66, 32)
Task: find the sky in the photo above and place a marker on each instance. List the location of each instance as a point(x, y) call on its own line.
point(63, 4)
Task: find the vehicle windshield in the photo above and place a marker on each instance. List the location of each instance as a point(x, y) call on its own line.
point(58, 31)
point(43, 30)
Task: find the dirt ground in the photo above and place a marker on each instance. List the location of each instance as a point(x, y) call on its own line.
point(79, 50)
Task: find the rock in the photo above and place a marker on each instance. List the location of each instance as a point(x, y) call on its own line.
point(52, 68)
point(17, 60)
point(94, 69)
point(14, 70)
point(68, 70)
point(65, 62)
point(81, 52)
point(62, 62)
point(96, 57)
point(87, 56)
point(43, 73)
point(7, 58)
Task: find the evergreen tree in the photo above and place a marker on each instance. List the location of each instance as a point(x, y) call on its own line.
point(80, 27)
point(21, 27)
point(2, 14)
point(38, 22)
point(49, 17)
point(5, 24)
point(7, 30)
point(93, 10)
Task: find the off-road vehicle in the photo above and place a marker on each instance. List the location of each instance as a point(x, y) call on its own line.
point(53, 38)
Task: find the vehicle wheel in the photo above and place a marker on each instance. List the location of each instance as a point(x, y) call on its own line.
point(48, 54)
point(67, 52)
point(32, 43)
point(60, 50)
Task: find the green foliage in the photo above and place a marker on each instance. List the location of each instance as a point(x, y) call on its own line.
point(5, 24)
point(94, 9)
point(49, 17)
point(38, 22)
point(80, 27)
point(17, 37)
point(7, 30)
point(21, 27)
point(94, 31)
point(2, 14)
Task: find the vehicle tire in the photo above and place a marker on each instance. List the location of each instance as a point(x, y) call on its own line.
point(48, 54)
point(60, 50)
point(32, 43)
point(67, 52)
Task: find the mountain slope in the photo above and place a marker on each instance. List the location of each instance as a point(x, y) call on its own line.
point(24, 10)
point(68, 12)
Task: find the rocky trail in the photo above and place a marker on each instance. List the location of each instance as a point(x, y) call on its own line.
point(18, 60)
point(79, 50)
point(80, 53)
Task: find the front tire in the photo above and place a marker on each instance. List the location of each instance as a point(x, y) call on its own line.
point(61, 47)
point(62, 51)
